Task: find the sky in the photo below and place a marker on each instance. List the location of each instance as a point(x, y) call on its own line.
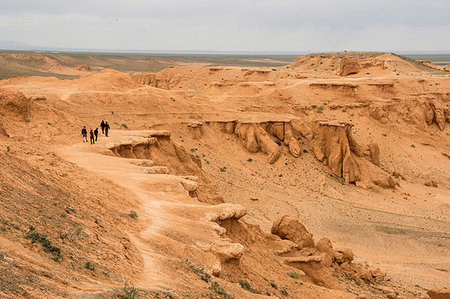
point(228, 25)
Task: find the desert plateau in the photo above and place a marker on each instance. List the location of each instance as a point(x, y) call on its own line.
point(321, 176)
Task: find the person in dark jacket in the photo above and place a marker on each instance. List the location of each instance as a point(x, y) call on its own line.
point(102, 125)
point(107, 127)
point(84, 134)
point(96, 133)
point(91, 133)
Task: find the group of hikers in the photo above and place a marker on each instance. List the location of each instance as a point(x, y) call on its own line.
point(93, 134)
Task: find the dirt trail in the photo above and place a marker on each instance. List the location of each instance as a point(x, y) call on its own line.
point(129, 176)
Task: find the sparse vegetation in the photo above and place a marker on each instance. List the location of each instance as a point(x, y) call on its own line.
point(284, 291)
point(133, 214)
point(89, 266)
point(293, 275)
point(273, 285)
point(215, 286)
point(320, 109)
point(45, 243)
point(222, 169)
point(199, 271)
point(128, 292)
point(246, 286)
point(249, 160)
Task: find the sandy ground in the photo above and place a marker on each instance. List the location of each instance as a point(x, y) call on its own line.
point(401, 227)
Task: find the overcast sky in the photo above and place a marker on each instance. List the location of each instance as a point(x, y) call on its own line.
point(229, 25)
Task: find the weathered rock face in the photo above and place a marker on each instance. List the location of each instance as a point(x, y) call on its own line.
point(290, 228)
point(145, 78)
point(348, 66)
point(334, 145)
point(374, 153)
point(260, 137)
point(14, 103)
point(422, 112)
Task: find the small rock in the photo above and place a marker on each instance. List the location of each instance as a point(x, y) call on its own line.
point(431, 183)
point(157, 170)
point(391, 296)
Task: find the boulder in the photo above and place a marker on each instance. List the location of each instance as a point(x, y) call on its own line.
point(292, 229)
point(439, 293)
point(189, 185)
point(343, 255)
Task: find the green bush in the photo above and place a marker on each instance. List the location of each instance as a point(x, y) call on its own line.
point(199, 271)
point(46, 244)
point(128, 292)
point(133, 215)
point(89, 266)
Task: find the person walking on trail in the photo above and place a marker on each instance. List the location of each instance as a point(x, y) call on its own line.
point(102, 125)
point(96, 133)
point(84, 134)
point(107, 127)
point(91, 133)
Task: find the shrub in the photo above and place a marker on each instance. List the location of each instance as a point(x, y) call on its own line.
point(249, 160)
point(199, 271)
point(133, 215)
point(284, 291)
point(278, 142)
point(293, 274)
point(320, 109)
point(89, 266)
point(215, 286)
point(246, 286)
point(125, 126)
point(128, 292)
point(46, 244)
